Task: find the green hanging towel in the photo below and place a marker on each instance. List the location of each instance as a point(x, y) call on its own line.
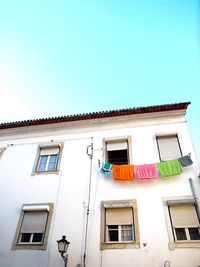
point(169, 168)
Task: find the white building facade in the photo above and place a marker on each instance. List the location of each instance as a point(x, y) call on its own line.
point(139, 213)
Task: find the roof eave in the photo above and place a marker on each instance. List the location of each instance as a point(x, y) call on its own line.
point(97, 115)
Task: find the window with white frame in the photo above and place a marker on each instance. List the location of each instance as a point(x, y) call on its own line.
point(119, 225)
point(168, 147)
point(185, 222)
point(48, 159)
point(33, 227)
point(117, 151)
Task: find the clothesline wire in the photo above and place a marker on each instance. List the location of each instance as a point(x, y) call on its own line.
point(147, 171)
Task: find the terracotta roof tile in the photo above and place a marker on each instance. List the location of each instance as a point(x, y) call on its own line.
point(96, 115)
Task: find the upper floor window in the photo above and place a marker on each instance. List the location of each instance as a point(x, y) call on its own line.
point(48, 159)
point(168, 147)
point(117, 151)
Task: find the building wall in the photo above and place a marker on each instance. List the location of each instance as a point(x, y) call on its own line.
point(69, 191)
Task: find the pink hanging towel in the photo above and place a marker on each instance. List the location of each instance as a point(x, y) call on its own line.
point(146, 172)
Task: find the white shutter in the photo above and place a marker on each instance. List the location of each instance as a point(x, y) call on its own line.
point(117, 145)
point(34, 222)
point(169, 147)
point(119, 216)
point(49, 150)
point(184, 216)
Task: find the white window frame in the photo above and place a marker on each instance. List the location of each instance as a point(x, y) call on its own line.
point(39, 156)
point(120, 244)
point(187, 234)
point(31, 239)
point(119, 230)
point(17, 243)
point(117, 140)
point(47, 162)
point(173, 242)
point(171, 135)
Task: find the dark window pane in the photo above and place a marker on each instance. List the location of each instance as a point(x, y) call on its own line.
point(113, 227)
point(118, 157)
point(25, 237)
point(180, 234)
point(194, 233)
point(37, 237)
point(113, 233)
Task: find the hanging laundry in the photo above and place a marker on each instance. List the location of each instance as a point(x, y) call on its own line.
point(185, 161)
point(123, 172)
point(169, 168)
point(145, 172)
point(106, 168)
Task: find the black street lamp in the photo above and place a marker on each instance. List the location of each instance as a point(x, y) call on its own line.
point(63, 245)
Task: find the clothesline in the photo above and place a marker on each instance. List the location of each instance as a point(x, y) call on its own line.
point(147, 172)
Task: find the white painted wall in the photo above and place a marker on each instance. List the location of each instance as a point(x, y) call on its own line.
point(68, 190)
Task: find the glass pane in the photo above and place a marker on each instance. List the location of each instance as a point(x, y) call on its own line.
point(42, 167)
point(126, 233)
point(180, 234)
point(37, 237)
point(25, 237)
point(43, 159)
point(42, 163)
point(53, 158)
point(52, 166)
point(118, 157)
point(53, 162)
point(113, 233)
point(194, 233)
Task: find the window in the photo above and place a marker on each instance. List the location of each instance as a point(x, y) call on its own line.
point(117, 151)
point(48, 159)
point(119, 226)
point(184, 223)
point(168, 147)
point(33, 227)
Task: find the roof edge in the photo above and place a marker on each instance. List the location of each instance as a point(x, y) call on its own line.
point(96, 115)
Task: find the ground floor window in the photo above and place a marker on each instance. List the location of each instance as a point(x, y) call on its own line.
point(119, 224)
point(33, 227)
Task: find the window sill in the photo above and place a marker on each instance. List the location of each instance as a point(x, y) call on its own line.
point(188, 244)
point(45, 172)
point(121, 245)
point(30, 246)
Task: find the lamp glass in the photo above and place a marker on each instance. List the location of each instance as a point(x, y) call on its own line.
point(63, 245)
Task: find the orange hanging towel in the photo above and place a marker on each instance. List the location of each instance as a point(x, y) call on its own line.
point(123, 172)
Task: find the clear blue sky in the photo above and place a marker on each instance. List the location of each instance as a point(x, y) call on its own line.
point(67, 57)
